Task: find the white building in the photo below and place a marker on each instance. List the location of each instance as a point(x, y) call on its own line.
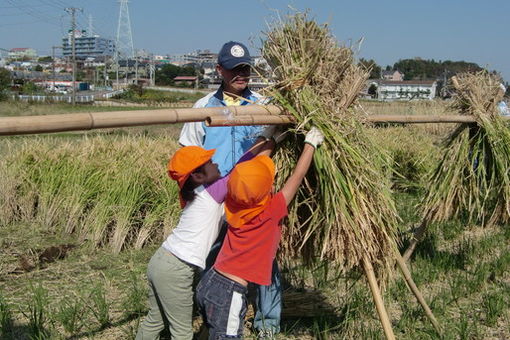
point(406, 89)
point(87, 46)
point(22, 53)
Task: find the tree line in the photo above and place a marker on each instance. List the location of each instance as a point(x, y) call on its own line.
point(166, 74)
point(421, 69)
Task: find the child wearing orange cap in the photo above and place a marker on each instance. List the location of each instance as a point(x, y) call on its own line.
point(172, 269)
point(253, 235)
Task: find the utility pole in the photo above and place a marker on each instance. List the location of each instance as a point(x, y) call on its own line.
point(53, 64)
point(152, 71)
point(105, 73)
point(136, 68)
point(72, 11)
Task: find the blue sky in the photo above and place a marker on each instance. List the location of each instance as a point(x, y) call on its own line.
point(469, 30)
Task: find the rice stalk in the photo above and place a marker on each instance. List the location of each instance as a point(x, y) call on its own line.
point(472, 178)
point(103, 189)
point(344, 211)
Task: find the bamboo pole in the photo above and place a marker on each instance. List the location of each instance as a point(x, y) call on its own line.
point(379, 304)
point(232, 115)
point(417, 237)
point(414, 289)
point(98, 120)
point(249, 120)
point(417, 119)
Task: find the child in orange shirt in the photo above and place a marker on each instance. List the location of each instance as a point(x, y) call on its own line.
point(253, 235)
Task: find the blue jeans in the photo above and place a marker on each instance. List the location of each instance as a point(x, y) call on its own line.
point(269, 304)
point(269, 298)
point(223, 305)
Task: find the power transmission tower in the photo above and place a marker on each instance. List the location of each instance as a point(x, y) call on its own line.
point(72, 11)
point(124, 43)
point(90, 30)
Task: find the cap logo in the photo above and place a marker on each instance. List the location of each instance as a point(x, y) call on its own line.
point(237, 51)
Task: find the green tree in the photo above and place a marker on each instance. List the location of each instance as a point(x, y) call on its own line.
point(420, 69)
point(38, 68)
point(80, 75)
point(375, 70)
point(5, 82)
point(29, 88)
point(166, 75)
point(46, 59)
point(5, 79)
point(372, 90)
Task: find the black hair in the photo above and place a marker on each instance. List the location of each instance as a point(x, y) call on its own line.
point(188, 190)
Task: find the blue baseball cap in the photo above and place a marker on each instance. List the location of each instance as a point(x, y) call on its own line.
point(233, 54)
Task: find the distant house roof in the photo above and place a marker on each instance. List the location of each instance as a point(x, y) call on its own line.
point(19, 49)
point(185, 78)
point(402, 82)
point(406, 82)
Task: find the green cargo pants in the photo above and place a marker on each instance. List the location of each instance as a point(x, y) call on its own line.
point(170, 297)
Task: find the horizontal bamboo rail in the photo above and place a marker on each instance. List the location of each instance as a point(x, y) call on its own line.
point(249, 120)
point(416, 119)
point(100, 120)
point(213, 116)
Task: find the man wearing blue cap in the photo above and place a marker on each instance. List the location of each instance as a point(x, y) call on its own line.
point(231, 142)
point(234, 66)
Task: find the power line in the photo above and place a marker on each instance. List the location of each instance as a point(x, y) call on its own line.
point(43, 16)
point(37, 15)
point(50, 4)
point(18, 6)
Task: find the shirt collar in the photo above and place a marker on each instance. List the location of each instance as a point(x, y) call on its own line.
point(219, 94)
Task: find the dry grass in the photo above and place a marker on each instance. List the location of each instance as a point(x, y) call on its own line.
point(344, 211)
point(472, 177)
point(424, 107)
point(108, 189)
point(462, 272)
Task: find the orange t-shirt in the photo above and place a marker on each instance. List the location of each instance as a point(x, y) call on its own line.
point(248, 252)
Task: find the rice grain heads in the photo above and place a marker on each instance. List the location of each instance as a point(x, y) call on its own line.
point(344, 210)
point(473, 176)
point(111, 190)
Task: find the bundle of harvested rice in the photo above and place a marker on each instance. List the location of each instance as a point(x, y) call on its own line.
point(344, 211)
point(473, 178)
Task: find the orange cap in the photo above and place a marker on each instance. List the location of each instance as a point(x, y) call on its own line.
point(249, 188)
point(184, 161)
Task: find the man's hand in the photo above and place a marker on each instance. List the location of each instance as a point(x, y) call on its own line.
point(274, 132)
point(268, 132)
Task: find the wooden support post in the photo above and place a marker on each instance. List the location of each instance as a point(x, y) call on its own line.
point(410, 282)
point(417, 237)
point(376, 294)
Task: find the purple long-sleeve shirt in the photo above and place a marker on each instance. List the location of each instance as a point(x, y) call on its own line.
point(218, 189)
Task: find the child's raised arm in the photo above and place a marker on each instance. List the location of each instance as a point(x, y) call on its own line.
point(262, 147)
point(266, 142)
point(313, 139)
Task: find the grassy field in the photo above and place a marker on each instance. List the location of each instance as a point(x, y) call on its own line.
point(82, 213)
